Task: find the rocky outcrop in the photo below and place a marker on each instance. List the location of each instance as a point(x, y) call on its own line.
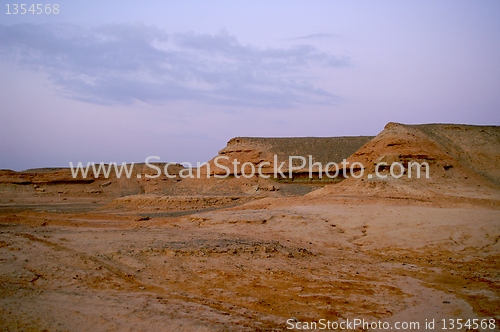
point(268, 151)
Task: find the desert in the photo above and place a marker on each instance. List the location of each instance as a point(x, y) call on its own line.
point(263, 254)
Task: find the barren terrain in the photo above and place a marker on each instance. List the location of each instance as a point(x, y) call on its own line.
point(242, 254)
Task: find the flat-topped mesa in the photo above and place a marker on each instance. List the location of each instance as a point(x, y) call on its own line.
point(269, 153)
point(59, 175)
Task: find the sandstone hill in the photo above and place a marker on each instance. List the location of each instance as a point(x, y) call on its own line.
point(263, 150)
point(463, 160)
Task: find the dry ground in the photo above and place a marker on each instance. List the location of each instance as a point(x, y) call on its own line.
point(246, 267)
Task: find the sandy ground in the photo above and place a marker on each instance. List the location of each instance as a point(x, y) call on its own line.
point(248, 267)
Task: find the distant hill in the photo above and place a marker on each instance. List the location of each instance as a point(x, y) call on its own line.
point(464, 160)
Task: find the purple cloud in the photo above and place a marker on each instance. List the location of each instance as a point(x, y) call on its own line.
point(121, 63)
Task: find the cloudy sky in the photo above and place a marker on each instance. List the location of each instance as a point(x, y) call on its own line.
point(114, 81)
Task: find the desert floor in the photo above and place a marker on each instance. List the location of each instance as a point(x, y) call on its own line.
point(87, 264)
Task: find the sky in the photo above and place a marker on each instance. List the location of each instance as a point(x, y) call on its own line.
point(118, 81)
